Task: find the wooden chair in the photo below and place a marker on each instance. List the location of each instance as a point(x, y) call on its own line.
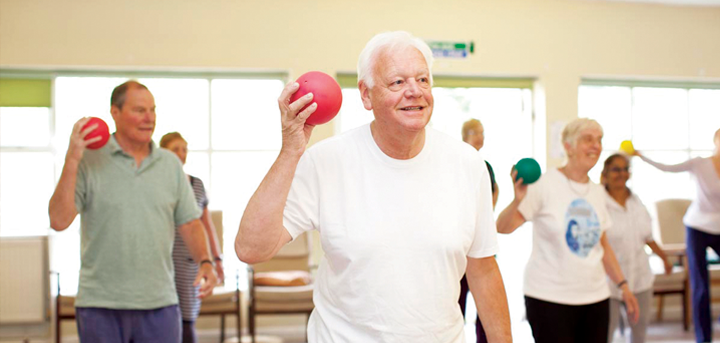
point(224, 301)
point(274, 297)
point(672, 236)
point(64, 309)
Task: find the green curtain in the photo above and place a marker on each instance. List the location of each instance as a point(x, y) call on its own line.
point(25, 92)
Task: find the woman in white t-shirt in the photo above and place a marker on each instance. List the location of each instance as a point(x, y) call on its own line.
point(630, 232)
point(702, 222)
point(566, 292)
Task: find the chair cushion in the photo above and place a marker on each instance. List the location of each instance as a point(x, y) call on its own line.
point(675, 279)
point(284, 294)
point(284, 299)
point(66, 306)
point(282, 279)
point(223, 300)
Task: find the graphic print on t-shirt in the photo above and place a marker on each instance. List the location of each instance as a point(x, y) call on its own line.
point(582, 227)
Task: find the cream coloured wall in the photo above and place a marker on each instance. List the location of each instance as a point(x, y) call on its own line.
point(556, 41)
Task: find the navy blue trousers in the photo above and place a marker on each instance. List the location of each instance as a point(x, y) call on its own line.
point(697, 244)
point(103, 325)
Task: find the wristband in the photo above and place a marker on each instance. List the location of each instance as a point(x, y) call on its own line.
point(206, 261)
point(218, 259)
point(621, 283)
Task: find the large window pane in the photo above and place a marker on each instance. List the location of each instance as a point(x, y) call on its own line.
point(198, 164)
point(182, 106)
point(25, 188)
point(65, 257)
point(658, 114)
point(24, 127)
point(245, 114)
point(652, 184)
point(704, 117)
point(352, 113)
point(611, 107)
point(77, 97)
point(236, 176)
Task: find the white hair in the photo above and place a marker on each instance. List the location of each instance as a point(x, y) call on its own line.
point(389, 41)
point(572, 130)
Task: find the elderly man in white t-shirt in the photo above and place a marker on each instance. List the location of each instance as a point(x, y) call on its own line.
point(401, 210)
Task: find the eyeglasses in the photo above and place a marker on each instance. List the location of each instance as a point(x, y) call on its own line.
point(618, 169)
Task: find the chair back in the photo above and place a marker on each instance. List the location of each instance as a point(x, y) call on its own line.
point(670, 213)
point(217, 219)
point(293, 256)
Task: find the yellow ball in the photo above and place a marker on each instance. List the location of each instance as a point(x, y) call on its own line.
point(627, 147)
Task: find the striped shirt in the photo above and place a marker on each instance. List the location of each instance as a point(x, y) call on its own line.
point(186, 268)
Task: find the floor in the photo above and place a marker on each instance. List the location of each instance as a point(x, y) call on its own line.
point(666, 332)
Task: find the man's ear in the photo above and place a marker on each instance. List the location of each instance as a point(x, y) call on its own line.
point(365, 95)
point(115, 112)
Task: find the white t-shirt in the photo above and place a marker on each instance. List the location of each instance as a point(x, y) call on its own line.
point(704, 211)
point(396, 234)
point(630, 231)
point(565, 265)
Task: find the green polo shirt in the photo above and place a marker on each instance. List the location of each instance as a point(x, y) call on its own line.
point(128, 218)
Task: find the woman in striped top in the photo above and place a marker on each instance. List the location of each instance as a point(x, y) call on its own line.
point(185, 267)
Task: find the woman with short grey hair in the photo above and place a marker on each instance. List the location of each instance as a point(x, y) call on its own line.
point(566, 292)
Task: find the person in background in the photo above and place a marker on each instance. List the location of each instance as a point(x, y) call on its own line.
point(630, 232)
point(565, 286)
point(473, 133)
point(185, 268)
point(132, 198)
point(702, 222)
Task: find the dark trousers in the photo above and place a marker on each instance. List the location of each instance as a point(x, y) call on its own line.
point(188, 331)
point(697, 244)
point(558, 323)
point(479, 331)
point(103, 325)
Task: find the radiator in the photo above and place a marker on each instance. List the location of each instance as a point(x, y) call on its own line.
point(24, 283)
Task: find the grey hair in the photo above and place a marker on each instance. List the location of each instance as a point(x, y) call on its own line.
point(572, 130)
point(389, 41)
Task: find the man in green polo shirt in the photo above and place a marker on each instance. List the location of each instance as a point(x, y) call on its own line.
point(131, 197)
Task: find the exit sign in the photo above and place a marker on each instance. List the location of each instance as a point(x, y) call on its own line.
point(449, 49)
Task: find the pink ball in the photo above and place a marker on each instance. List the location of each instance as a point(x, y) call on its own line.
point(326, 93)
point(102, 130)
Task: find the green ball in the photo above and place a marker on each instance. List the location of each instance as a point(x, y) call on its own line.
point(528, 169)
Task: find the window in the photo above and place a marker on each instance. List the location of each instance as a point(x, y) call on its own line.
point(231, 124)
point(26, 166)
point(668, 123)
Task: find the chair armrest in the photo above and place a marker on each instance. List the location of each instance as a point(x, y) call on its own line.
point(674, 249)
